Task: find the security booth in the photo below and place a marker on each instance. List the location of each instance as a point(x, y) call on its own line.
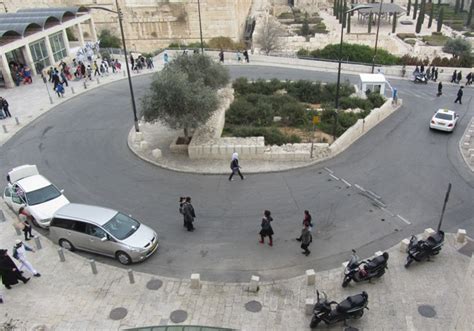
point(373, 82)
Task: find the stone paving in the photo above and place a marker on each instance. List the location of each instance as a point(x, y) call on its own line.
point(68, 296)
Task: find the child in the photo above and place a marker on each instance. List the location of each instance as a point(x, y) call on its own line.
point(60, 90)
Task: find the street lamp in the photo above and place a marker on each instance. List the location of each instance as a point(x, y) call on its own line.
point(120, 17)
point(377, 36)
point(200, 26)
point(339, 62)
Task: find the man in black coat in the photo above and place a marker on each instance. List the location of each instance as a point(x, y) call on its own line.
point(9, 271)
point(459, 98)
point(188, 213)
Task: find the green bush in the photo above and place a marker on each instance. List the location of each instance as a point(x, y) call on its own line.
point(225, 43)
point(376, 100)
point(109, 40)
point(251, 110)
point(305, 91)
point(303, 52)
point(293, 114)
point(352, 103)
point(272, 135)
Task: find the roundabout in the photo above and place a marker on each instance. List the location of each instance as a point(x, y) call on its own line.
point(81, 146)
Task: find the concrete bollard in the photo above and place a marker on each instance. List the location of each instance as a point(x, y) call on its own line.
point(131, 277)
point(309, 306)
point(461, 236)
point(5, 128)
point(310, 277)
point(156, 153)
point(428, 232)
point(2, 216)
point(38, 243)
point(17, 121)
point(195, 281)
point(62, 258)
point(98, 81)
point(378, 253)
point(254, 280)
point(93, 266)
point(144, 145)
point(72, 90)
point(85, 85)
point(404, 245)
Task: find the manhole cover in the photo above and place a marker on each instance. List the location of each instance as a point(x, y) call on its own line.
point(118, 313)
point(178, 316)
point(427, 311)
point(253, 306)
point(154, 284)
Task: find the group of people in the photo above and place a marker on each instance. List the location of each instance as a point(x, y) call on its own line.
point(21, 73)
point(457, 77)
point(245, 55)
point(10, 273)
point(431, 73)
point(141, 62)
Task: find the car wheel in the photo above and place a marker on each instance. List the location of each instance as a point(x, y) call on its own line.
point(123, 258)
point(66, 244)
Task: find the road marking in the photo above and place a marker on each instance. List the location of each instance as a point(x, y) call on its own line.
point(375, 195)
point(387, 211)
point(336, 178)
point(346, 182)
point(359, 187)
point(329, 170)
point(380, 203)
point(404, 220)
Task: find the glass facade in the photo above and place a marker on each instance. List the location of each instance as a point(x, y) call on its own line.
point(40, 55)
point(57, 44)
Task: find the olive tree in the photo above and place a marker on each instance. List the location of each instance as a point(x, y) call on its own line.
point(268, 36)
point(457, 46)
point(183, 95)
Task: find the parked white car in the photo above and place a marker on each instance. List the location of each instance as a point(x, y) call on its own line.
point(27, 188)
point(444, 120)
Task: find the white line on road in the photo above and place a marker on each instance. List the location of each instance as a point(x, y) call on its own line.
point(375, 195)
point(387, 211)
point(346, 182)
point(359, 187)
point(329, 170)
point(404, 220)
point(336, 178)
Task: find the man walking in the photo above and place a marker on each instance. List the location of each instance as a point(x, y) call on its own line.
point(305, 240)
point(188, 213)
point(459, 77)
point(459, 97)
point(454, 77)
point(9, 271)
point(4, 106)
point(246, 56)
point(19, 253)
point(440, 89)
point(221, 56)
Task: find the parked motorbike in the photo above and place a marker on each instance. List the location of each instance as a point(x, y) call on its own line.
point(420, 250)
point(421, 79)
point(359, 271)
point(351, 308)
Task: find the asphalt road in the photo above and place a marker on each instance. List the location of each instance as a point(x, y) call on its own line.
point(81, 146)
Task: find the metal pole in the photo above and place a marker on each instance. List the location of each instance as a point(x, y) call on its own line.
point(312, 141)
point(135, 119)
point(200, 26)
point(446, 198)
point(131, 278)
point(338, 80)
point(377, 36)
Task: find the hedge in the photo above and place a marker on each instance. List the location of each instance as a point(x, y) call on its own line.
point(272, 135)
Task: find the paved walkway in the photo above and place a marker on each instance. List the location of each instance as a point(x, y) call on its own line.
point(68, 296)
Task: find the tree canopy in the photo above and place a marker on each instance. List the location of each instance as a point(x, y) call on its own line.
point(108, 40)
point(457, 46)
point(183, 95)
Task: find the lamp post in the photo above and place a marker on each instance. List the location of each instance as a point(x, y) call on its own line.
point(200, 26)
point(339, 62)
point(120, 17)
point(377, 36)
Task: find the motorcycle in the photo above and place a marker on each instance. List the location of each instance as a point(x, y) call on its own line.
point(421, 79)
point(351, 308)
point(420, 250)
point(359, 271)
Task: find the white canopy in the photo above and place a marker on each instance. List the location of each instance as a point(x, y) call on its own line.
point(372, 78)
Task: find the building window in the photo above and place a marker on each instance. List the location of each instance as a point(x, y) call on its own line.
point(40, 55)
point(57, 45)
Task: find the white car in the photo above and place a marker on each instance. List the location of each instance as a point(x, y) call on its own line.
point(444, 120)
point(27, 188)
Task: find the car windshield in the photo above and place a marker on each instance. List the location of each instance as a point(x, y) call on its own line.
point(42, 195)
point(121, 226)
point(443, 116)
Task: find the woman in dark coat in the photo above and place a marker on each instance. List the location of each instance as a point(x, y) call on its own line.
point(266, 228)
point(9, 271)
point(188, 213)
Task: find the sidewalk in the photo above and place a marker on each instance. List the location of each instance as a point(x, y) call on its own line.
point(68, 296)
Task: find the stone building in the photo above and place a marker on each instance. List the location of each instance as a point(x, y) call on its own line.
point(151, 24)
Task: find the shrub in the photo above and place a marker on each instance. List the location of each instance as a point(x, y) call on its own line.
point(225, 43)
point(352, 103)
point(272, 135)
point(305, 91)
point(251, 110)
point(355, 53)
point(303, 52)
point(376, 100)
point(293, 114)
point(109, 40)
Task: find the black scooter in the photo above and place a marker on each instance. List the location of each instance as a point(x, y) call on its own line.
point(359, 271)
point(420, 250)
point(351, 308)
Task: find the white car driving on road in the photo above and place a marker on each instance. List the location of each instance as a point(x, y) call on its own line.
point(444, 120)
point(27, 188)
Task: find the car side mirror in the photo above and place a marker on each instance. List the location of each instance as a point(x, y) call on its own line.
point(104, 239)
